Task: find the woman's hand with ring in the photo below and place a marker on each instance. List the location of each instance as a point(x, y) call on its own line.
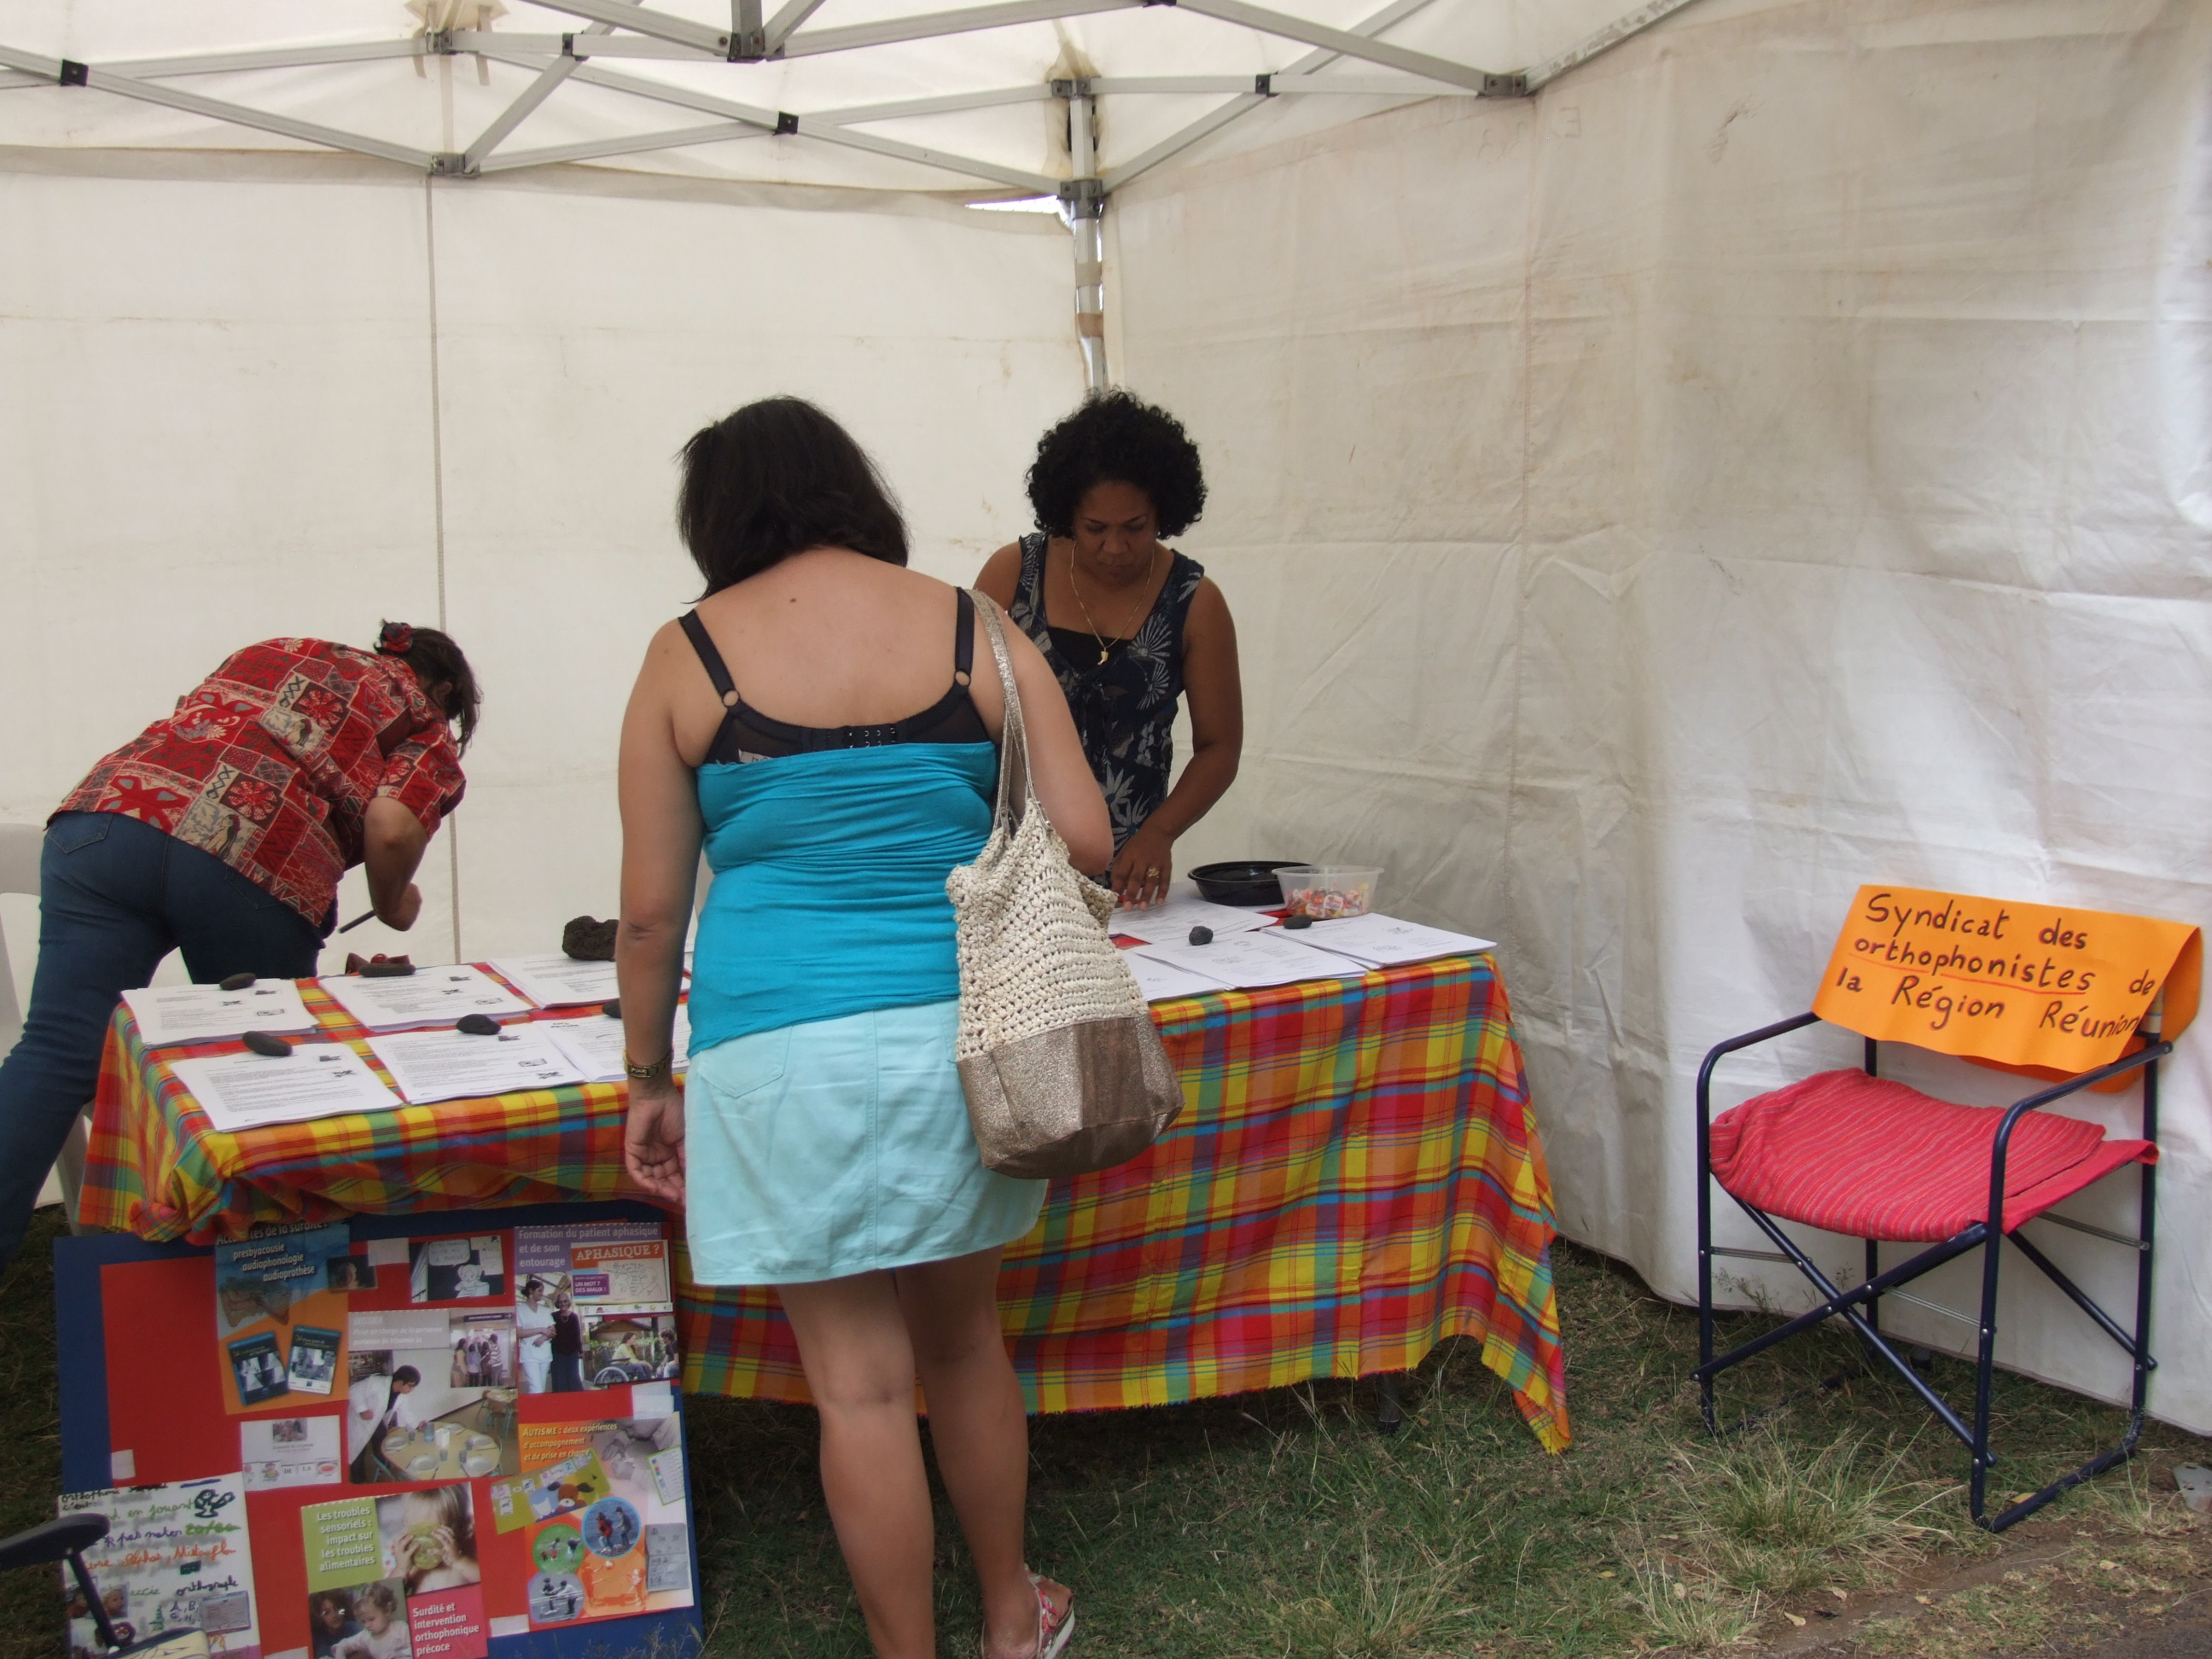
point(1144, 866)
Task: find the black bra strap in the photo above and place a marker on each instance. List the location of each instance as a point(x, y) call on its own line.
point(735, 714)
point(710, 659)
point(717, 670)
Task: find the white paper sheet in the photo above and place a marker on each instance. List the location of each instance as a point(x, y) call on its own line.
point(429, 996)
point(1171, 922)
point(316, 1079)
point(290, 1451)
point(594, 1046)
point(170, 1014)
point(1384, 941)
point(557, 981)
point(1248, 961)
point(431, 1065)
point(175, 1556)
point(1159, 980)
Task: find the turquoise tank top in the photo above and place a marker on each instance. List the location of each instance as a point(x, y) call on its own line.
point(829, 892)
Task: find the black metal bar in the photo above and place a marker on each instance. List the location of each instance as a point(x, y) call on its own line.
point(2149, 1056)
point(2035, 1500)
point(91, 1594)
point(1873, 1274)
point(1838, 1302)
point(1388, 1418)
point(2138, 1349)
point(1873, 1059)
point(1705, 1371)
point(2146, 1223)
point(2103, 1321)
point(1928, 1397)
point(1985, 1362)
point(1985, 1369)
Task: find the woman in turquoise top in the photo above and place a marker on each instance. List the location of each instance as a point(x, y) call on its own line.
point(821, 1143)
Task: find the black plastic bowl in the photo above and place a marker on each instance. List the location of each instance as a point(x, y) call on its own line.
point(1250, 883)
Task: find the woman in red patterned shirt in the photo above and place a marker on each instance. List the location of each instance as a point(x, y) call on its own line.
point(222, 830)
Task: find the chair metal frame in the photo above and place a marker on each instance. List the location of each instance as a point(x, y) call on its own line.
point(66, 1539)
point(1986, 1236)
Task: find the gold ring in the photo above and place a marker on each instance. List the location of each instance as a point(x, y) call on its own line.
point(1151, 871)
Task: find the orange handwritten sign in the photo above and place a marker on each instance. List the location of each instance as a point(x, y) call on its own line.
point(2046, 988)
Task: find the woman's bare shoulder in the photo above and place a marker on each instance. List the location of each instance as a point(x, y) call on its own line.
point(1208, 604)
point(669, 644)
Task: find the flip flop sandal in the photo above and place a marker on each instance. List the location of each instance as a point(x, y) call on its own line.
point(1053, 1628)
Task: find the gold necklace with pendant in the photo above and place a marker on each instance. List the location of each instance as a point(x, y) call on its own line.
point(1151, 564)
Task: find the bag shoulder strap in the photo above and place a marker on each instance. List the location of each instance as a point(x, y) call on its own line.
point(1013, 738)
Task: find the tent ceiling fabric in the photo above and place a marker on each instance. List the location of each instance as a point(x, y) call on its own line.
point(898, 95)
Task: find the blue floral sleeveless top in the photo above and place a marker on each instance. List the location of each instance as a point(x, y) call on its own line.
point(1125, 706)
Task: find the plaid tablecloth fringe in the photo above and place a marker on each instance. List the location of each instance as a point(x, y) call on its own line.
point(1357, 1177)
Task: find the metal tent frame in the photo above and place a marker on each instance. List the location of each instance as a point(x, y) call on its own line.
point(619, 29)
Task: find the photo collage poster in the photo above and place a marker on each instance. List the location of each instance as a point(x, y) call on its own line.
point(280, 1314)
point(595, 1307)
point(411, 1495)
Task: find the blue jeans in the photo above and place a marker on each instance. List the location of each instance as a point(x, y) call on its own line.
point(115, 897)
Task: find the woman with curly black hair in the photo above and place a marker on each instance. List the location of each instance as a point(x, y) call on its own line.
point(1128, 624)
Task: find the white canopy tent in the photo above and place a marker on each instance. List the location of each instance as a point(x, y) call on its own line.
point(1666, 469)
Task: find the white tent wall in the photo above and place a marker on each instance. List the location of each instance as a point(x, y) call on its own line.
point(217, 429)
point(222, 425)
point(582, 340)
point(1775, 457)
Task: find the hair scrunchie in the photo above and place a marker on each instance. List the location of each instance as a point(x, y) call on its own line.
point(395, 640)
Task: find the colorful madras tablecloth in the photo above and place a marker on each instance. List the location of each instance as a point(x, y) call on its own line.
point(1356, 1175)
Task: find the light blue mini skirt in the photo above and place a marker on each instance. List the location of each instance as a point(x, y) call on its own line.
point(839, 1147)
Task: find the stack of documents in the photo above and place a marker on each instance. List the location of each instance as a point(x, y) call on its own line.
point(1171, 922)
point(557, 981)
point(1245, 961)
point(1170, 966)
point(1386, 942)
point(594, 1046)
point(316, 1079)
point(1159, 980)
point(208, 1013)
point(431, 1065)
point(429, 996)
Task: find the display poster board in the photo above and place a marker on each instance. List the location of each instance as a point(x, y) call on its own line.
point(2050, 989)
point(447, 1435)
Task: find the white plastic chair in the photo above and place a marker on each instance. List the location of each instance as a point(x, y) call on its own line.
point(19, 845)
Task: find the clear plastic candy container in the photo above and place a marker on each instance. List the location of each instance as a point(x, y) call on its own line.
point(1324, 892)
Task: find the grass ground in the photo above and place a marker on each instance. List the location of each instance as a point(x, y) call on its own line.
point(1280, 1526)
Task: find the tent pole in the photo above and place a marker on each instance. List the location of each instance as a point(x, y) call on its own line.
point(1087, 212)
point(1396, 12)
point(68, 73)
point(719, 132)
point(795, 13)
point(782, 122)
point(1351, 43)
point(748, 35)
point(1604, 41)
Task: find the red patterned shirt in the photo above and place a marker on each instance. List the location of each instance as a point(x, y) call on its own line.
point(272, 762)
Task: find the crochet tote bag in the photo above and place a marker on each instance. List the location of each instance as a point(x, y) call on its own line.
point(1062, 1067)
